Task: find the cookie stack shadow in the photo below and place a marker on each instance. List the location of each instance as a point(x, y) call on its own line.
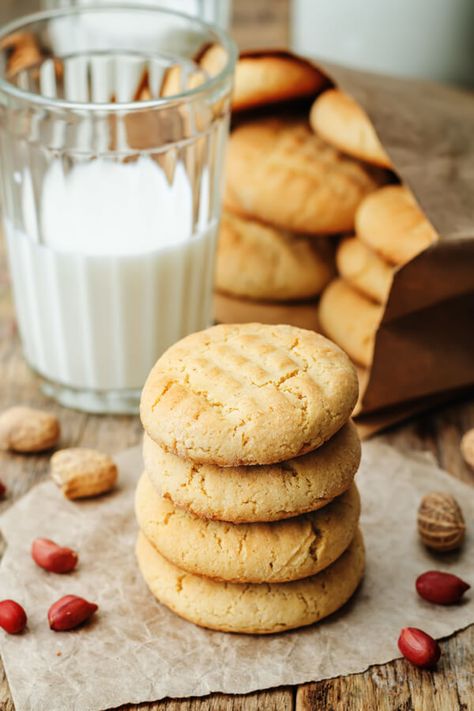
point(247, 508)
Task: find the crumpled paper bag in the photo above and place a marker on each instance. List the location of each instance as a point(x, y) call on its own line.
point(136, 650)
point(425, 341)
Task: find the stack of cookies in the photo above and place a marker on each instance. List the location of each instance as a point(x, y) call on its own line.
point(288, 193)
point(390, 230)
point(247, 509)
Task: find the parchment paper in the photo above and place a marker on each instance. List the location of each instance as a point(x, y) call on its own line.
point(136, 650)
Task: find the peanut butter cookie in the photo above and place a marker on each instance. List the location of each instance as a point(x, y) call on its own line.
point(271, 78)
point(248, 394)
point(342, 122)
point(257, 261)
point(256, 493)
point(364, 269)
point(248, 552)
point(280, 172)
point(391, 222)
point(259, 608)
point(350, 320)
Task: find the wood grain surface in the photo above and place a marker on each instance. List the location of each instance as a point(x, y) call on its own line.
point(391, 687)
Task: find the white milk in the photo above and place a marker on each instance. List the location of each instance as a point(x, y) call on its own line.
point(118, 275)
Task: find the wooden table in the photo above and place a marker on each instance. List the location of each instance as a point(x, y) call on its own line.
point(383, 688)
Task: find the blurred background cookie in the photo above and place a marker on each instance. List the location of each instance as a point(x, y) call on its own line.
point(280, 172)
point(257, 261)
point(350, 320)
point(391, 222)
point(337, 118)
point(231, 309)
point(271, 78)
point(364, 269)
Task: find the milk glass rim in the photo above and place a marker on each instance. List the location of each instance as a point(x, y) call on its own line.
point(22, 23)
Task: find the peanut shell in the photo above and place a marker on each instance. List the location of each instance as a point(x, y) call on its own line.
point(80, 472)
point(23, 429)
point(440, 522)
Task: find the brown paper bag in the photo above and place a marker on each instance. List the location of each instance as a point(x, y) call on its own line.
point(424, 350)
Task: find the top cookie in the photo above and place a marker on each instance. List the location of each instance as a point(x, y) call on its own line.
point(340, 120)
point(391, 222)
point(257, 261)
point(248, 394)
point(271, 78)
point(280, 172)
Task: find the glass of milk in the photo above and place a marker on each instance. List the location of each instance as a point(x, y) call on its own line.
point(113, 124)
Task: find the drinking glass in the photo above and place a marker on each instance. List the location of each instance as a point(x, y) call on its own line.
point(111, 152)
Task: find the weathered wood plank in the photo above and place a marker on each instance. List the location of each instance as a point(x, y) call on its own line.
point(393, 686)
point(439, 432)
point(390, 687)
point(398, 685)
point(273, 700)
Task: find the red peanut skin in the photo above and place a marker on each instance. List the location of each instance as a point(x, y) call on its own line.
point(69, 612)
point(12, 617)
point(53, 558)
point(3, 490)
point(419, 648)
point(441, 588)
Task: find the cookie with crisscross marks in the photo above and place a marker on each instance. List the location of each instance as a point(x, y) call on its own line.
point(248, 394)
point(252, 608)
point(278, 171)
point(249, 552)
point(260, 493)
